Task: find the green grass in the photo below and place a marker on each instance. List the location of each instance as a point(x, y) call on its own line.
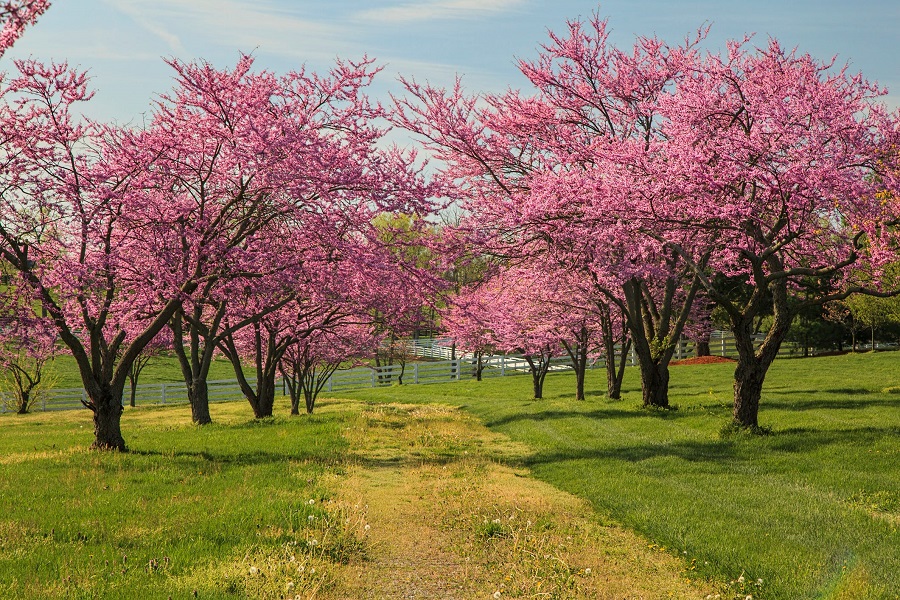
point(812, 510)
point(187, 509)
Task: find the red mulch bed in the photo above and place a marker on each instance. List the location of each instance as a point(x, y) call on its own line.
point(703, 360)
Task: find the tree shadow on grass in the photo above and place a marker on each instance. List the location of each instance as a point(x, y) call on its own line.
point(599, 414)
point(848, 391)
point(260, 457)
point(827, 404)
point(720, 455)
point(803, 440)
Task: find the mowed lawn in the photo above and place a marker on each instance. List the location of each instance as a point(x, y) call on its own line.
point(186, 513)
point(810, 511)
point(253, 509)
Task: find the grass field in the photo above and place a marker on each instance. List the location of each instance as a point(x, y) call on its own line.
point(376, 501)
point(810, 511)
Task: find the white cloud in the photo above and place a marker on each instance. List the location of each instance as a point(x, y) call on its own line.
point(238, 24)
point(144, 20)
point(437, 10)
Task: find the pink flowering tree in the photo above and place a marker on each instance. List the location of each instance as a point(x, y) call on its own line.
point(294, 169)
point(68, 216)
point(28, 344)
point(775, 157)
point(558, 173)
point(308, 364)
point(15, 16)
point(506, 312)
point(256, 349)
point(464, 321)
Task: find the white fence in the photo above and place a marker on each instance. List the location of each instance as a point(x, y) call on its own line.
point(414, 372)
point(147, 394)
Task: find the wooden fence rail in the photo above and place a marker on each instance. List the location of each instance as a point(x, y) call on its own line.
point(443, 369)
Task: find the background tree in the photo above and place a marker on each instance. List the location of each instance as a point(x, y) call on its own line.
point(28, 345)
point(159, 345)
point(308, 364)
point(278, 175)
point(551, 174)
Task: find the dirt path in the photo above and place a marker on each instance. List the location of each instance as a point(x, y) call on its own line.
point(448, 520)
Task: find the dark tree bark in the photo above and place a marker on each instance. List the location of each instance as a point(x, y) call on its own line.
point(754, 363)
point(267, 355)
point(614, 377)
point(134, 373)
point(615, 371)
point(538, 366)
point(206, 333)
point(577, 352)
point(478, 365)
point(107, 420)
point(196, 360)
point(655, 323)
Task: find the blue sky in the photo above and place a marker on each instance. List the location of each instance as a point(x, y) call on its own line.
point(122, 42)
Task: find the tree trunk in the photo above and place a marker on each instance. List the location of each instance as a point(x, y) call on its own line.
point(614, 376)
point(293, 385)
point(107, 423)
point(538, 385)
point(579, 382)
point(195, 366)
point(578, 357)
point(702, 348)
point(478, 367)
point(132, 384)
point(655, 383)
point(310, 397)
point(266, 400)
point(754, 363)
point(24, 402)
point(748, 382)
point(655, 327)
point(198, 396)
point(538, 373)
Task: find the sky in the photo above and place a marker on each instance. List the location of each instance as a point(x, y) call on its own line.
point(122, 43)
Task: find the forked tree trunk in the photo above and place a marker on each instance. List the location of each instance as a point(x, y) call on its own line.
point(195, 364)
point(753, 362)
point(107, 423)
point(655, 327)
point(538, 369)
point(614, 375)
point(309, 397)
point(293, 389)
point(265, 403)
